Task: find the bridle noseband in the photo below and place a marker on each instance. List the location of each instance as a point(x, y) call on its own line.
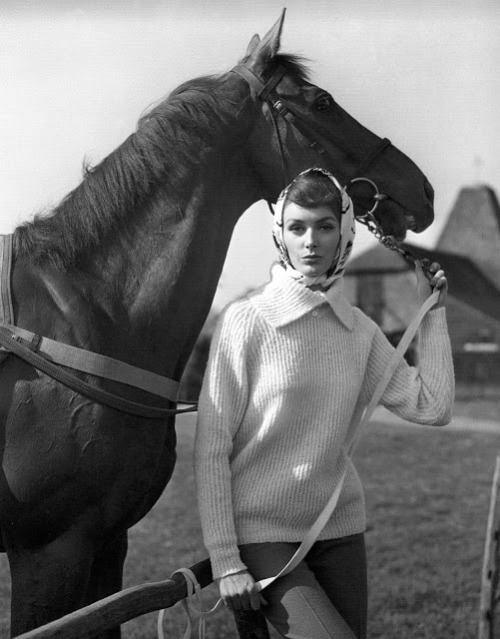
point(266, 92)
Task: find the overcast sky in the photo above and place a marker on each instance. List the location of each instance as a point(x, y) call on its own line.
point(76, 75)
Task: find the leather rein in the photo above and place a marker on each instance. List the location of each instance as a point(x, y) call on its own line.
point(56, 358)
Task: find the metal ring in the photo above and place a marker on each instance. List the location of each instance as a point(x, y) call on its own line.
point(378, 197)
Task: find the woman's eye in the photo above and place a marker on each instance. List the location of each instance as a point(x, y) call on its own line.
point(323, 103)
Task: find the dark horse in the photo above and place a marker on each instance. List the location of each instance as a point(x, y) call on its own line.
point(127, 265)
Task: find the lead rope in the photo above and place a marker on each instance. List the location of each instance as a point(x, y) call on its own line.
point(193, 592)
point(359, 420)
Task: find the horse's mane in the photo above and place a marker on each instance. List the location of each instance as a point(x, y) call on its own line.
point(165, 146)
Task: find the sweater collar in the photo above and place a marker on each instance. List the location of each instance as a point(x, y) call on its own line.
point(284, 300)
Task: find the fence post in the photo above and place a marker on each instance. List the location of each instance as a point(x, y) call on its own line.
point(491, 558)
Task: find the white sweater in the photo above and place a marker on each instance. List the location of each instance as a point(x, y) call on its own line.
point(286, 371)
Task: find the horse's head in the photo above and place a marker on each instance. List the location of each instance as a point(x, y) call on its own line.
point(303, 126)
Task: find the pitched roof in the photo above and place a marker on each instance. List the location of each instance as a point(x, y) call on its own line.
point(378, 259)
point(466, 282)
point(473, 229)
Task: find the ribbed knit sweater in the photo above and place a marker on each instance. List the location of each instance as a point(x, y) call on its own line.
point(287, 369)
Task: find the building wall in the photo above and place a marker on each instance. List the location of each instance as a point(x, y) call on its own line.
point(466, 324)
point(389, 299)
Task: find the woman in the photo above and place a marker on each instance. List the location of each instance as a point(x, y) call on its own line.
point(289, 366)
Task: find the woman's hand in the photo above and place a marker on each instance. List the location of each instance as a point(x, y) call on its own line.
point(432, 278)
point(239, 591)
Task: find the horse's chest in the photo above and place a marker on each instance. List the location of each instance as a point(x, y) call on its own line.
point(61, 447)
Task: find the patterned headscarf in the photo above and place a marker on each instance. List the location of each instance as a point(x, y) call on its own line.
point(347, 233)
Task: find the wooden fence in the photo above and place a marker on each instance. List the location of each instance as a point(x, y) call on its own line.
point(88, 622)
point(488, 616)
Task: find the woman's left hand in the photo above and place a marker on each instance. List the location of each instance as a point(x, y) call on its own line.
point(433, 278)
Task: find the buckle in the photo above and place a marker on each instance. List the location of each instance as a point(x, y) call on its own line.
point(33, 343)
point(281, 108)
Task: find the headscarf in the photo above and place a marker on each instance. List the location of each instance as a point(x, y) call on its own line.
point(347, 233)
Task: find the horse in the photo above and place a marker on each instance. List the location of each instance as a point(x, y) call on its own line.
point(127, 265)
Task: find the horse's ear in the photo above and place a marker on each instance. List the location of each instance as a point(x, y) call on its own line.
point(252, 45)
point(270, 44)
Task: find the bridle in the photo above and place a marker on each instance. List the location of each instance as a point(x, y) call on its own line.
point(277, 108)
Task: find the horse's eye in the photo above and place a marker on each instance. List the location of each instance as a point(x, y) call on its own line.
point(323, 103)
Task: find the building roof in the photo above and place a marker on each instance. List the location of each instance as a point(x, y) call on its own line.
point(473, 229)
point(466, 281)
point(378, 259)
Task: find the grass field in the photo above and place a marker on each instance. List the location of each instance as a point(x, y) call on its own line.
point(427, 493)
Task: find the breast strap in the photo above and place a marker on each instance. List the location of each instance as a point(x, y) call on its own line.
point(48, 355)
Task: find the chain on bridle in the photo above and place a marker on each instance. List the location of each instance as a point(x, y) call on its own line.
point(369, 220)
point(266, 92)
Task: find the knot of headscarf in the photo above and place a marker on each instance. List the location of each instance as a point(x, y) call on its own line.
point(347, 233)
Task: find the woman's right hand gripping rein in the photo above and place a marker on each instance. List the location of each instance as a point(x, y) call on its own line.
point(240, 591)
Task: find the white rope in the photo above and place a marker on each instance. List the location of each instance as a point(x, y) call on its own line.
point(194, 594)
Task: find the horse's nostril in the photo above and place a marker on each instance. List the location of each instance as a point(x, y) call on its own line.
point(429, 191)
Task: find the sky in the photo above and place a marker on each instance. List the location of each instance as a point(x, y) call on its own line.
point(75, 76)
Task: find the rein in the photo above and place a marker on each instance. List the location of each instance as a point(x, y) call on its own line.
point(24, 349)
point(49, 356)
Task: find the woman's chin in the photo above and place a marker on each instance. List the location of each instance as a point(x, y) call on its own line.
point(310, 271)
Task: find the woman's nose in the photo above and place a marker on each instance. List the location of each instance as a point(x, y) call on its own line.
point(310, 240)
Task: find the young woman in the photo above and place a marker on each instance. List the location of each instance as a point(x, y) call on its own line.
point(289, 365)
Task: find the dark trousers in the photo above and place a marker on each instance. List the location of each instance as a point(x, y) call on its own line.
point(324, 597)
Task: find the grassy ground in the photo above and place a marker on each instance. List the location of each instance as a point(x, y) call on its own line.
point(427, 493)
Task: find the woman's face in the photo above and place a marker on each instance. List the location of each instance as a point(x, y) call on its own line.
point(311, 236)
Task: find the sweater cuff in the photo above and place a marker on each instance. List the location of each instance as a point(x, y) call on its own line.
point(225, 562)
point(435, 321)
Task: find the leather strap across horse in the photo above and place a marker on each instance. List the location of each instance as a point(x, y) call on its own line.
point(6, 306)
point(23, 349)
point(49, 355)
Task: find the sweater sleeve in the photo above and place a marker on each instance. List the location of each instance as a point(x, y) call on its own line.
point(423, 394)
point(222, 403)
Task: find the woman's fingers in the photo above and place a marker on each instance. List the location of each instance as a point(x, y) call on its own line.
point(256, 600)
point(433, 272)
point(430, 276)
point(441, 281)
point(239, 591)
point(244, 601)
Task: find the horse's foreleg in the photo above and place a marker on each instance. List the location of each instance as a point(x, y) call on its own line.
point(106, 576)
point(49, 581)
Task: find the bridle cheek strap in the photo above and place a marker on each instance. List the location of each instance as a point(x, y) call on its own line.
point(260, 90)
point(266, 92)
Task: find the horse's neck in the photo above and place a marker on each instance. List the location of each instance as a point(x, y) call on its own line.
point(166, 278)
